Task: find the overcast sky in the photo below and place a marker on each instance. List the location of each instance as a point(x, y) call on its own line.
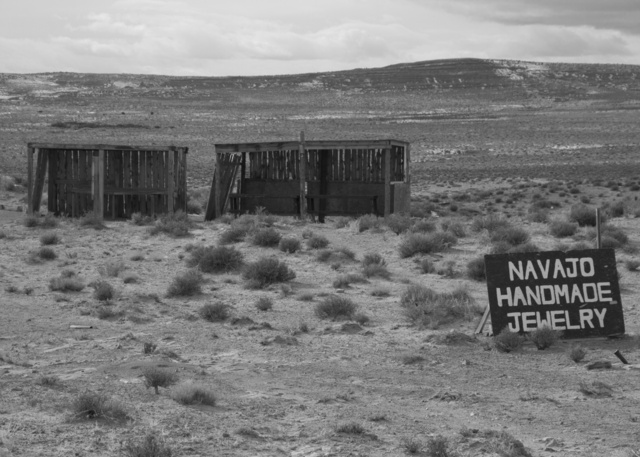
point(254, 37)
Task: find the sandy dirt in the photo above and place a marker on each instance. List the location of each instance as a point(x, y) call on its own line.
point(279, 390)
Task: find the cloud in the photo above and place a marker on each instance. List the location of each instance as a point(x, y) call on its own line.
point(621, 15)
point(553, 43)
point(159, 28)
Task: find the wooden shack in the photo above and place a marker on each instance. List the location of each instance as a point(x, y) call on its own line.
point(317, 177)
point(112, 181)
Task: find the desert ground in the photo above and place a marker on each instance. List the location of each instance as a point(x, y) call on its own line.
point(92, 314)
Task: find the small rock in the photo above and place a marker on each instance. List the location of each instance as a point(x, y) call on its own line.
point(350, 327)
point(599, 365)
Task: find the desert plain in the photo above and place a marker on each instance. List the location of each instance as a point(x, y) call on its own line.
point(518, 143)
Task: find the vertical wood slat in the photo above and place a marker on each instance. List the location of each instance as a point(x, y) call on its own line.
point(134, 176)
point(216, 182)
point(40, 174)
point(97, 180)
point(30, 180)
point(75, 157)
point(82, 178)
point(61, 174)
point(51, 192)
point(170, 181)
point(387, 181)
point(302, 176)
point(151, 201)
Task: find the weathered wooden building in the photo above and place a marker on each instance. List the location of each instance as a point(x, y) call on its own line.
point(112, 181)
point(317, 177)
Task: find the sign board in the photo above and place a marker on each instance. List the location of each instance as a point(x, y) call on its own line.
point(575, 292)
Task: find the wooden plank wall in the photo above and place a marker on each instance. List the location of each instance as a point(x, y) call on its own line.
point(279, 165)
point(346, 165)
point(134, 181)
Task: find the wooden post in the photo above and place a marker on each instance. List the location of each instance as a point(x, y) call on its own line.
point(302, 175)
point(598, 230)
point(170, 181)
point(387, 181)
point(30, 180)
point(217, 176)
point(407, 176)
point(324, 171)
point(97, 183)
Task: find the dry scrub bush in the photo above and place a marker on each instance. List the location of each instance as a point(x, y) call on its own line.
point(214, 312)
point(507, 341)
point(335, 307)
point(66, 284)
point(429, 309)
point(232, 235)
point(423, 226)
point(515, 236)
point(264, 304)
point(113, 268)
point(186, 284)
point(266, 237)
point(346, 280)
point(368, 222)
point(351, 428)
point(92, 220)
point(342, 222)
point(139, 219)
point(46, 253)
point(373, 258)
point(398, 223)
point(317, 242)
point(93, 406)
point(454, 227)
point(380, 292)
point(583, 215)
point(562, 229)
point(544, 337)
point(336, 255)
point(48, 239)
point(611, 236)
point(427, 266)
point(266, 271)
point(476, 269)
point(490, 223)
point(193, 394)
point(49, 221)
point(418, 243)
point(150, 446)
point(215, 259)
point(577, 353)
point(289, 245)
point(103, 291)
point(156, 377)
point(176, 225)
point(438, 446)
point(376, 270)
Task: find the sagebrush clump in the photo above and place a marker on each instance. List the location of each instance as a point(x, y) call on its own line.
point(266, 271)
point(214, 312)
point(507, 341)
point(157, 377)
point(193, 394)
point(336, 307)
point(544, 337)
point(420, 243)
point(215, 259)
point(186, 284)
point(429, 309)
